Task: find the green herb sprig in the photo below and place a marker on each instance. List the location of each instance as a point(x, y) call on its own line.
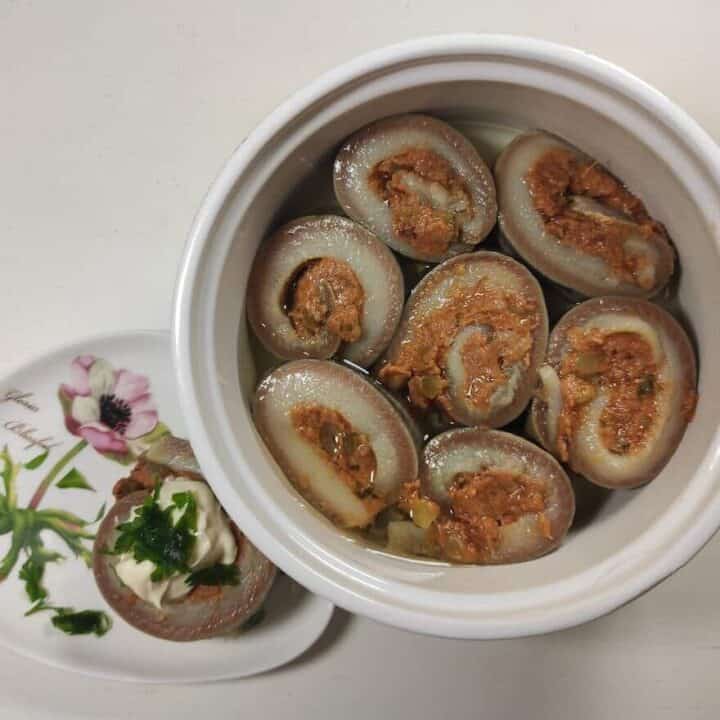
point(75, 622)
point(219, 574)
point(152, 534)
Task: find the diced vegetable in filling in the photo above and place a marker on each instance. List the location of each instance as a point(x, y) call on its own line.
point(469, 529)
point(481, 503)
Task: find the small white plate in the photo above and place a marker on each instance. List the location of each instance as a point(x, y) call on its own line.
point(32, 420)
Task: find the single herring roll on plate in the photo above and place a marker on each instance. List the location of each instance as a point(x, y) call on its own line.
point(167, 558)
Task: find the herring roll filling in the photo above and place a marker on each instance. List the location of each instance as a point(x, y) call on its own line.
point(168, 559)
point(472, 335)
point(617, 390)
point(576, 223)
point(342, 443)
point(323, 286)
point(418, 184)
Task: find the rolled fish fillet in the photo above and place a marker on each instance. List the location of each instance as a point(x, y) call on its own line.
point(324, 286)
point(503, 499)
point(418, 184)
point(343, 444)
point(565, 215)
point(617, 390)
point(473, 333)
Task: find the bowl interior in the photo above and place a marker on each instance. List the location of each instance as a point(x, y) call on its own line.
point(486, 98)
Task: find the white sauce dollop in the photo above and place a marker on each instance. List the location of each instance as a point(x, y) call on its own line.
point(214, 543)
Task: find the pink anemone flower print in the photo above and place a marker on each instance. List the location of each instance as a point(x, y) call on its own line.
point(107, 407)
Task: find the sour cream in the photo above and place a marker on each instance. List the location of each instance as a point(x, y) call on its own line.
point(214, 543)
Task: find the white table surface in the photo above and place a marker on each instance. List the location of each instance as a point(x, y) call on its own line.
point(114, 119)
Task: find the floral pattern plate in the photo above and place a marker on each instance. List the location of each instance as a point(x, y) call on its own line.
point(71, 424)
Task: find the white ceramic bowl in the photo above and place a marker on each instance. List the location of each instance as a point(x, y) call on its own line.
point(639, 537)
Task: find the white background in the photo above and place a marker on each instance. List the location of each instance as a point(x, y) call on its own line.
point(114, 119)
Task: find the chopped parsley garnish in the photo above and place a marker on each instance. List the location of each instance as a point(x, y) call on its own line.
point(153, 535)
point(83, 622)
point(75, 622)
point(219, 574)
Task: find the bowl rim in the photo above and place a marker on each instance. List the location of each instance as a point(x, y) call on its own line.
point(632, 581)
